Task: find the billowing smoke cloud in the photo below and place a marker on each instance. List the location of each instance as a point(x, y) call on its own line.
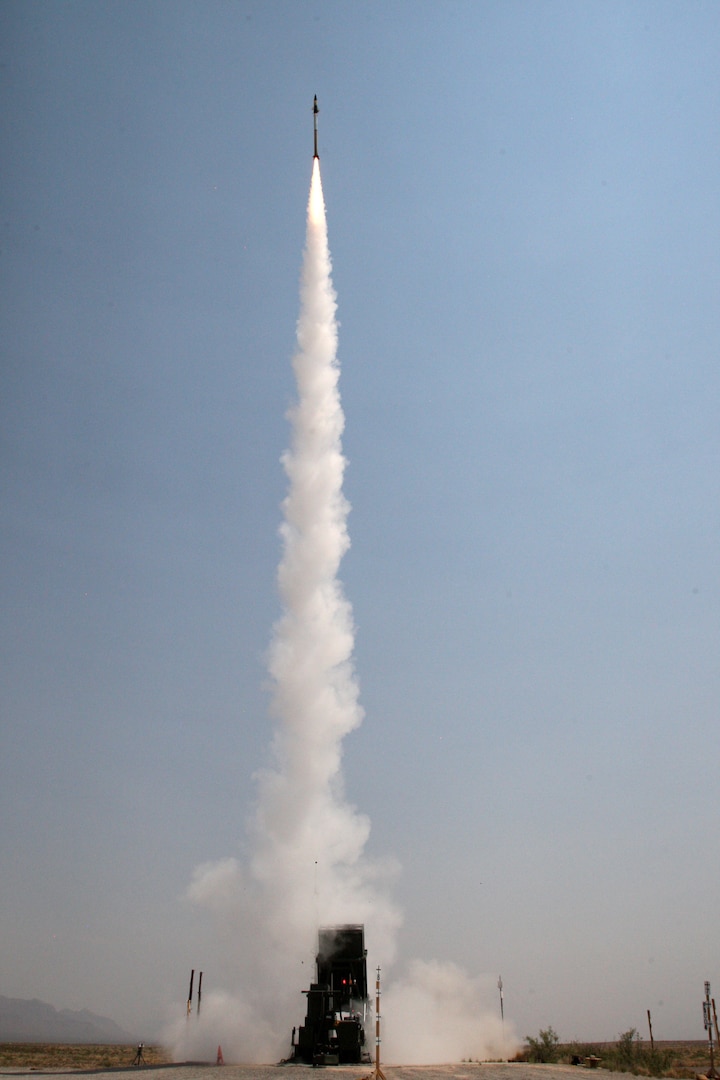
point(307, 866)
point(437, 1014)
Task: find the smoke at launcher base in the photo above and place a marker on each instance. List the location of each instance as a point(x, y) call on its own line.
point(307, 866)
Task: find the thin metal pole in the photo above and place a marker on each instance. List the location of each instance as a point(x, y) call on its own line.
point(502, 1013)
point(708, 1017)
point(378, 1074)
point(652, 1041)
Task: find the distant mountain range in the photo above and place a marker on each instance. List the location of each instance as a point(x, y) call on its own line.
point(34, 1021)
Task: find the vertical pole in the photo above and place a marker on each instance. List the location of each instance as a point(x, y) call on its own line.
point(708, 1018)
point(502, 1013)
point(652, 1041)
point(378, 1074)
point(189, 1001)
point(199, 993)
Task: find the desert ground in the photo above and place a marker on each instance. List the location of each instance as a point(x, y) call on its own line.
point(473, 1071)
point(685, 1060)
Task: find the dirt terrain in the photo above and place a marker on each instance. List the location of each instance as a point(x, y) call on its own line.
point(467, 1071)
point(688, 1060)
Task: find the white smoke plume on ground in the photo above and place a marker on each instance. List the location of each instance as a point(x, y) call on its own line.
point(438, 1014)
point(308, 866)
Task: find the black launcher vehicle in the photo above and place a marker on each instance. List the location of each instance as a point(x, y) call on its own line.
point(337, 1004)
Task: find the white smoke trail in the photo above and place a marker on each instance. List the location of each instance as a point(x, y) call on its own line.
point(308, 867)
point(309, 841)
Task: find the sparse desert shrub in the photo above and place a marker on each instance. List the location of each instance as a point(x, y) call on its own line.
point(544, 1048)
point(628, 1047)
point(679, 1060)
point(629, 1054)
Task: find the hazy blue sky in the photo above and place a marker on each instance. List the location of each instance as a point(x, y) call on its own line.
point(525, 227)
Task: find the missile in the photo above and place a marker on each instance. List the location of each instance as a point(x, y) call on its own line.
point(316, 110)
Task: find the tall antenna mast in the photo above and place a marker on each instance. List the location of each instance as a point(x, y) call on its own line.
point(377, 1073)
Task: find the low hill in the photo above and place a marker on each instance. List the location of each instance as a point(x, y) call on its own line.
point(34, 1021)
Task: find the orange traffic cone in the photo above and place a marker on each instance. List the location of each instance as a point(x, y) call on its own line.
point(220, 1059)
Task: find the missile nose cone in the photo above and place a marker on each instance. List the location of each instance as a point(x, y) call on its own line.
point(315, 105)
